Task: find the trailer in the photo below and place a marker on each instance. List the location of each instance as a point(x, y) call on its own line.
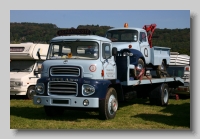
point(25, 67)
point(86, 71)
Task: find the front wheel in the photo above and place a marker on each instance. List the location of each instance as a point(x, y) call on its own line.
point(161, 70)
point(140, 68)
point(30, 92)
point(109, 106)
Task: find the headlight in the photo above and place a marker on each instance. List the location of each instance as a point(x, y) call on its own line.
point(18, 83)
point(39, 88)
point(87, 90)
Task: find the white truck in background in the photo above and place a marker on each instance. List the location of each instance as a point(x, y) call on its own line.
point(138, 41)
point(25, 67)
point(180, 67)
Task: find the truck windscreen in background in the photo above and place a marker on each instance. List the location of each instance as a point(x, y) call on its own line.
point(122, 35)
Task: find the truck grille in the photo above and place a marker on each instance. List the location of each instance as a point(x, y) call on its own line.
point(64, 71)
point(62, 88)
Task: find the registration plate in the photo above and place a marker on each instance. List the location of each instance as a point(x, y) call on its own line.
point(60, 101)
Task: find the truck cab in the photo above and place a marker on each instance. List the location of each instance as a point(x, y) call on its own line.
point(25, 67)
point(78, 71)
point(138, 41)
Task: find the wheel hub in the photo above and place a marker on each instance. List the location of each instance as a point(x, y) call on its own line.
point(139, 67)
point(32, 92)
point(165, 95)
point(114, 105)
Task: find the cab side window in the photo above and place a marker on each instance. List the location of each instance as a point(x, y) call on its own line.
point(106, 50)
point(143, 37)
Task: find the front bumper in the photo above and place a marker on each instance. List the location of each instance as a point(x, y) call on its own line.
point(66, 101)
point(18, 90)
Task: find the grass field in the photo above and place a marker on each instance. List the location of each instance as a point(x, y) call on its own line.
point(134, 115)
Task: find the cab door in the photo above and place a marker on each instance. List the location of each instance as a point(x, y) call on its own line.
point(144, 46)
point(109, 66)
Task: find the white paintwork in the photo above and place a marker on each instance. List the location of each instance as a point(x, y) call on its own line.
point(179, 59)
point(27, 77)
point(183, 60)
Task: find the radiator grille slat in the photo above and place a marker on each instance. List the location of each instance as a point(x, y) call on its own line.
point(62, 88)
point(65, 71)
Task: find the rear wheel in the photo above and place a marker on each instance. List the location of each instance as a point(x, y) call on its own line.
point(161, 70)
point(109, 106)
point(164, 95)
point(160, 95)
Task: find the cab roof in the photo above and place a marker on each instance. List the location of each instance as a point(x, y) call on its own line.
point(80, 37)
point(127, 28)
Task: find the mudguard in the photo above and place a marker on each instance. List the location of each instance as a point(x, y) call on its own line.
point(136, 55)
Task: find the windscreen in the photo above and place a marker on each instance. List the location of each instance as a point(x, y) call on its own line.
point(74, 50)
point(122, 35)
point(21, 65)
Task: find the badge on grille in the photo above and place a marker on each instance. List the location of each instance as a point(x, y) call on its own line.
point(65, 62)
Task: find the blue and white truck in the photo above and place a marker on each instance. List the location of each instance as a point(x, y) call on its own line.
point(139, 42)
point(86, 71)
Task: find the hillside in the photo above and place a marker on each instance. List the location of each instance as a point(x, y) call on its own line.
point(177, 39)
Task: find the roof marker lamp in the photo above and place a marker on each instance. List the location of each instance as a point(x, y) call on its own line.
point(126, 25)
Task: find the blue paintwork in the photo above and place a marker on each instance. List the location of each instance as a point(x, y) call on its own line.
point(136, 55)
point(100, 86)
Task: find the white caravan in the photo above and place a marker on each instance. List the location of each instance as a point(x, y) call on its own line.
point(25, 67)
point(180, 67)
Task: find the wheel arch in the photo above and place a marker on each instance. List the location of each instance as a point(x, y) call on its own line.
point(119, 91)
point(138, 55)
point(165, 61)
point(30, 86)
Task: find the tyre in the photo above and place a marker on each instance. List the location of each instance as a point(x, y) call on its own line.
point(53, 111)
point(164, 95)
point(161, 70)
point(30, 92)
point(109, 106)
point(139, 68)
point(160, 95)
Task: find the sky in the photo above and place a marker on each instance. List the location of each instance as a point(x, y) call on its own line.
point(170, 19)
